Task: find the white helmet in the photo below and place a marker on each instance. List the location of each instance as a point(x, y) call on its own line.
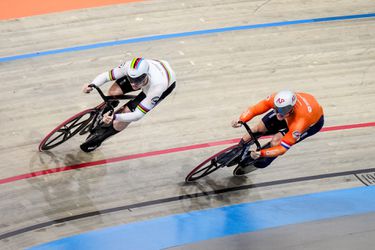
point(137, 70)
point(284, 102)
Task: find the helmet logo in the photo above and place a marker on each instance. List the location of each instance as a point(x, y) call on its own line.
point(280, 100)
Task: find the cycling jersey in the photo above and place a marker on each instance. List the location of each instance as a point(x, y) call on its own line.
point(307, 111)
point(161, 77)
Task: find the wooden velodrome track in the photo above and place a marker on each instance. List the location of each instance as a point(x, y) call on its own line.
point(218, 76)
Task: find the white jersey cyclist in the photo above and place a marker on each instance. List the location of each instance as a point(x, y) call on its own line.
point(155, 78)
point(160, 77)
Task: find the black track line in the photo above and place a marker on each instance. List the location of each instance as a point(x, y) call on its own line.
point(181, 197)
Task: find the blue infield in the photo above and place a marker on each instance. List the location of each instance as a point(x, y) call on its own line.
point(219, 222)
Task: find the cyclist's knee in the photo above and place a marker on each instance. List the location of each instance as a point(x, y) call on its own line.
point(276, 139)
point(260, 128)
point(126, 109)
point(119, 126)
point(123, 109)
point(115, 90)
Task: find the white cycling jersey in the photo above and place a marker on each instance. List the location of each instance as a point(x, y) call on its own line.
point(161, 76)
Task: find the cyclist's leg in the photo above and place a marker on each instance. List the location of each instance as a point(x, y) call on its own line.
point(264, 162)
point(121, 86)
point(117, 126)
point(270, 125)
point(97, 138)
point(115, 89)
point(127, 108)
point(258, 130)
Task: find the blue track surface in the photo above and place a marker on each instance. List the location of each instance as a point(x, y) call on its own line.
point(219, 222)
point(183, 34)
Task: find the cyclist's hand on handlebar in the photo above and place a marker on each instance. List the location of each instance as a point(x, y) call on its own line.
point(236, 124)
point(254, 154)
point(86, 88)
point(107, 118)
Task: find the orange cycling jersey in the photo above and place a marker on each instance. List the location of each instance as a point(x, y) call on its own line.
point(306, 113)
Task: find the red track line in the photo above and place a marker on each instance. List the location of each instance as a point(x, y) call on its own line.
point(158, 152)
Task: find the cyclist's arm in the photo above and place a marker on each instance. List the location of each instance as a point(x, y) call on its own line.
point(143, 107)
point(275, 151)
point(111, 75)
point(259, 108)
point(287, 141)
point(131, 116)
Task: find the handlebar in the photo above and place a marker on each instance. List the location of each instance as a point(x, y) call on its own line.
point(116, 97)
point(252, 135)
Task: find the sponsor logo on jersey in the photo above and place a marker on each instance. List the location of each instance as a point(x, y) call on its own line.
point(309, 108)
point(272, 152)
point(296, 135)
point(155, 100)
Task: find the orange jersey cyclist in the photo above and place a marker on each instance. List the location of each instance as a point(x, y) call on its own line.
point(155, 79)
point(292, 118)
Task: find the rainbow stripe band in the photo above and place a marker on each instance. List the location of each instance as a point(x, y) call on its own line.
point(166, 71)
point(135, 63)
point(111, 77)
point(142, 109)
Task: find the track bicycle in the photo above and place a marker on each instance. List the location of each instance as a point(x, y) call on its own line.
point(86, 121)
point(235, 155)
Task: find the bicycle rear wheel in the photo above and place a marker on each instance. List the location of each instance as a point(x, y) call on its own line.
point(208, 166)
point(67, 129)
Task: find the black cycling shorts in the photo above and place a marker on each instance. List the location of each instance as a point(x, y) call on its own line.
point(273, 124)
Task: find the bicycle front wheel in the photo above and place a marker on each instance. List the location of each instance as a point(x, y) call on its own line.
point(208, 166)
point(67, 129)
